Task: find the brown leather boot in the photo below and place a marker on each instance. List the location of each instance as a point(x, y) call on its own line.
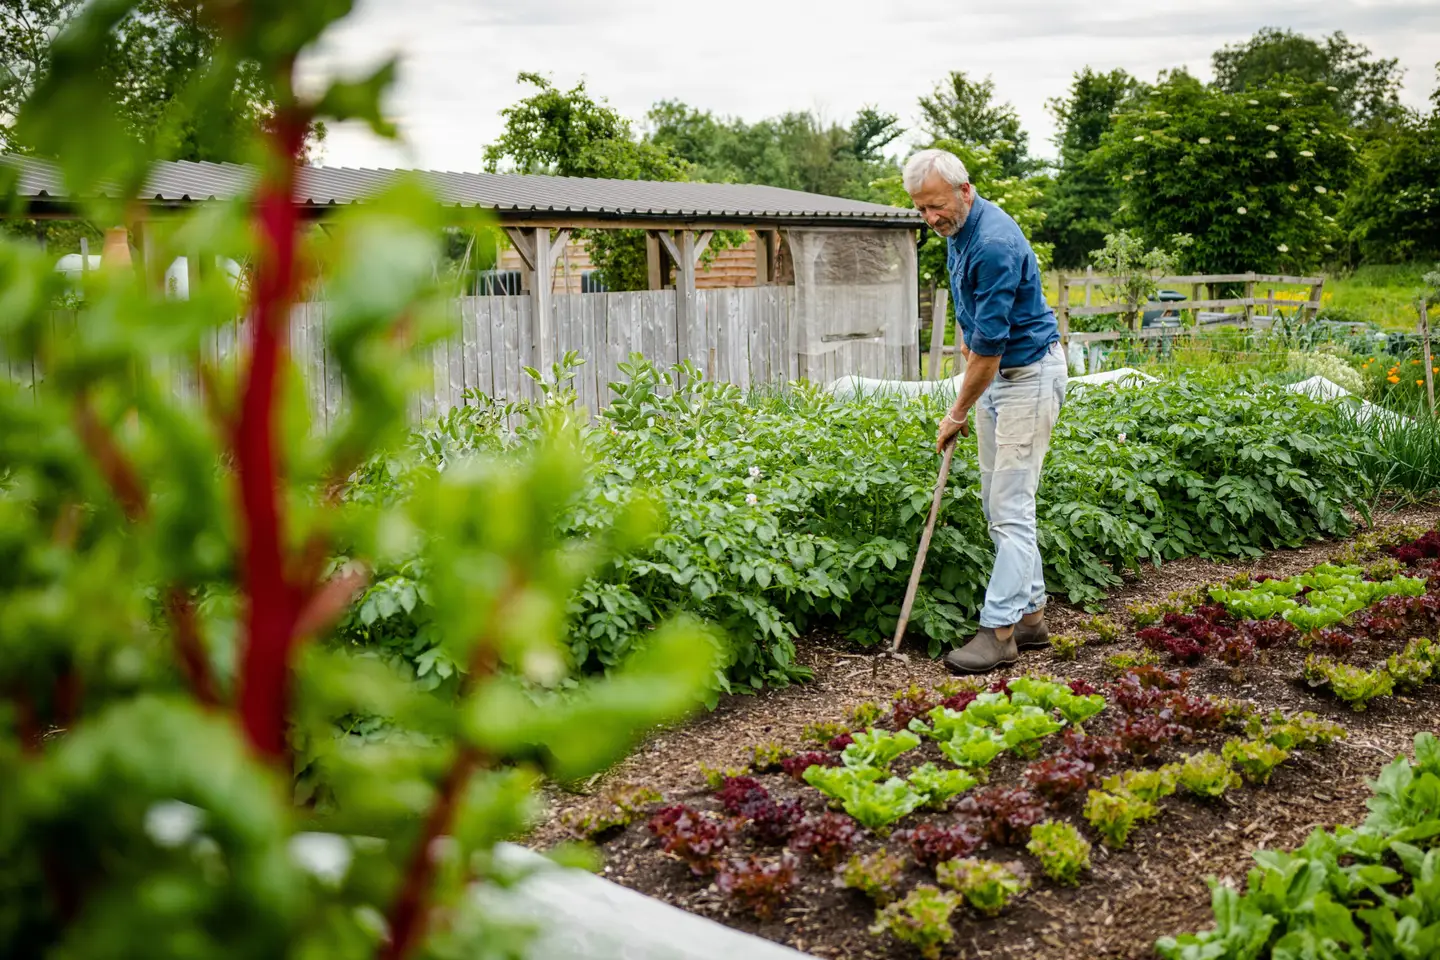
point(985, 652)
point(1033, 636)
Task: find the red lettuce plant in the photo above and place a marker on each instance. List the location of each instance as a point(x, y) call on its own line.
point(1269, 634)
point(828, 838)
point(693, 837)
point(760, 885)
point(1059, 777)
point(1007, 813)
point(959, 701)
point(1099, 751)
point(773, 823)
point(800, 762)
point(840, 742)
point(1082, 688)
point(1144, 735)
point(1331, 640)
point(739, 794)
point(1234, 651)
point(932, 843)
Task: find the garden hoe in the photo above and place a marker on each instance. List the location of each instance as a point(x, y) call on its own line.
point(894, 652)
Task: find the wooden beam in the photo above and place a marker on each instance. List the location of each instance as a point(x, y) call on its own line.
point(562, 237)
point(685, 301)
point(542, 348)
point(702, 244)
point(669, 244)
point(524, 241)
point(762, 257)
point(654, 261)
point(1062, 312)
point(938, 319)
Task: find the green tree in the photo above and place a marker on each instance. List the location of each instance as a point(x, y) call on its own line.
point(1362, 89)
point(965, 111)
point(1256, 178)
point(795, 150)
point(1080, 204)
point(170, 568)
point(568, 133)
point(1392, 211)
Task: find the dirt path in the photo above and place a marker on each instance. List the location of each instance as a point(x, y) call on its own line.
point(1154, 887)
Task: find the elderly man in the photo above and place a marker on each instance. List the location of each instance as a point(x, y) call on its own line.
point(1014, 381)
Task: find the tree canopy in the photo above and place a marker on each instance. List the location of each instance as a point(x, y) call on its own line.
point(967, 111)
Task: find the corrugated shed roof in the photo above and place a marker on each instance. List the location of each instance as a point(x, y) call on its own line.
point(178, 182)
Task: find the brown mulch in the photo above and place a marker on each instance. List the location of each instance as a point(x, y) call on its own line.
point(1156, 886)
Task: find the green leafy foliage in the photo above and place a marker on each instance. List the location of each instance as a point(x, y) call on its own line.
point(921, 919)
point(1206, 774)
point(939, 785)
point(1114, 815)
point(1371, 891)
point(1415, 665)
point(767, 756)
point(1119, 664)
point(1355, 685)
point(1063, 853)
point(174, 564)
point(1106, 630)
point(1255, 759)
point(1147, 785)
point(823, 732)
point(715, 777)
point(878, 748)
point(1175, 161)
point(867, 794)
point(1303, 731)
point(878, 875)
point(620, 806)
point(987, 885)
point(1066, 646)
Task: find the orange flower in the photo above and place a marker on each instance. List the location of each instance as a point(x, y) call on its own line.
point(1415, 363)
point(1418, 382)
point(1435, 369)
point(1393, 379)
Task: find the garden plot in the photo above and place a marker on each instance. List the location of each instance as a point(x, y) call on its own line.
point(1180, 754)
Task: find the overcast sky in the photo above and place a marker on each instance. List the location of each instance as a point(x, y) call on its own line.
point(757, 58)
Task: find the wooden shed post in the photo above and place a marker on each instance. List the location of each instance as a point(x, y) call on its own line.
point(938, 320)
point(539, 253)
point(654, 261)
point(686, 255)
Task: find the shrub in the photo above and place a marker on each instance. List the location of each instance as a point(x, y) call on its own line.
point(877, 875)
point(760, 885)
point(1114, 815)
point(1206, 774)
point(921, 920)
point(1063, 853)
point(828, 838)
point(1255, 759)
point(986, 885)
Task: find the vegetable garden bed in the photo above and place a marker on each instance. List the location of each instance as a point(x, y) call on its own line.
point(1151, 886)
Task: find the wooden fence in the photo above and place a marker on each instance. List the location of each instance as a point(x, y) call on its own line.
point(1196, 303)
point(742, 335)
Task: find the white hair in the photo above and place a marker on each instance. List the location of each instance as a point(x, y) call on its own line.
point(919, 167)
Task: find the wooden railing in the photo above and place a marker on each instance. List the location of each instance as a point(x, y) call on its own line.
point(1204, 283)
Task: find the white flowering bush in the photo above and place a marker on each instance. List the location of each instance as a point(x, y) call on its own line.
point(1256, 179)
point(1329, 366)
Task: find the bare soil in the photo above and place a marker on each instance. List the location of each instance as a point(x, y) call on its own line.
point(1155, 886)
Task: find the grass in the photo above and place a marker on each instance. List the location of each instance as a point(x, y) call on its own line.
point(1380, 294)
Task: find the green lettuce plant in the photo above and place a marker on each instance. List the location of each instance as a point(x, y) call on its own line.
point(878, 875)
point(939, 785)
point(1255, 759)
point(1206, 774)
point(1114, 815)
point(1354, 685)
point(1063, 853)
point(921, 920)
point(987, 885)
point(878, 748)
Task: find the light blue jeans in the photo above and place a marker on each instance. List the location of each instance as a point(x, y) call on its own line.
point(1013, 422)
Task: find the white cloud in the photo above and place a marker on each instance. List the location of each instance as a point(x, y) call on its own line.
point(757, 58)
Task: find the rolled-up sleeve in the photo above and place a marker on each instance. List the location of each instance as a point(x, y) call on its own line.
point(996, 271)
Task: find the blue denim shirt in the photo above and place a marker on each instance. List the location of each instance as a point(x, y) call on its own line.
point(995, 284)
